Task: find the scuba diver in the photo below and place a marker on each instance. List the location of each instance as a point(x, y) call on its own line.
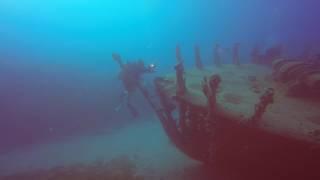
point(131, 77)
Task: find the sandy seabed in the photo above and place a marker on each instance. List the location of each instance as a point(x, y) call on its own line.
point(139, 151)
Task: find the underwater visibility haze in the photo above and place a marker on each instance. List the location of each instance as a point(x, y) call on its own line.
point(151, 89)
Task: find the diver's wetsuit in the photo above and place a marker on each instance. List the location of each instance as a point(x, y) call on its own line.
point(131, 75)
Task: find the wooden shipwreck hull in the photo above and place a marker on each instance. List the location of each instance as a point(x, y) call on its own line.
point(240, 120)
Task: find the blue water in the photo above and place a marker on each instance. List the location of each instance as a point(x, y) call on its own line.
point(57, 77)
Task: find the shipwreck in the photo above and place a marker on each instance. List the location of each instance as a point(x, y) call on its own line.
point(249, 120)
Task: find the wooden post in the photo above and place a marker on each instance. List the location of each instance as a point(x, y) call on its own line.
point(255, 55)
point(178, 55)
point(198, 57)
point(265, 100)
point(181, 87)
point(210, 90)
point(217, 55)
point(235, 56)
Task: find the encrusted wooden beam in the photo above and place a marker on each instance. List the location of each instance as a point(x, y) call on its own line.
point(217, 55)
point(178, 55)
point(197, 54)
point(181, 87)
point(260, 108)
point(210, 89)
